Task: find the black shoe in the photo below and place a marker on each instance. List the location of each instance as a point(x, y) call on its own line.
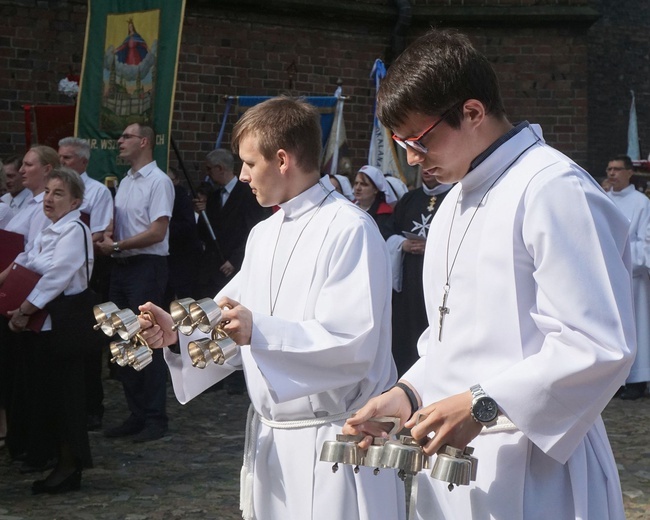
point(71, 483)
point(633, 391)
point(94, 423)
point(151, 432)
point(128, 427)
point(28, 467)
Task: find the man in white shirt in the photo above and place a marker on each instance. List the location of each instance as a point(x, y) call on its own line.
point(98, 201)
point(527, 285)
point(97, 212)
point(636, 207)
point(310, 309)
point(17, 195)
point(139, 245)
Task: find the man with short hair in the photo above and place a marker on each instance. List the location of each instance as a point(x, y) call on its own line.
point(310, 310)
point(527, 284)
point(98, 201)
point(17, 196)
point(232, 212)
point(139, 245)
point(636, 207)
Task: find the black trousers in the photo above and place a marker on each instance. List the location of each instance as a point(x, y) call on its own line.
point(135, 281)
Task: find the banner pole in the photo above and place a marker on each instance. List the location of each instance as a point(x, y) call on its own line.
point(204, 216)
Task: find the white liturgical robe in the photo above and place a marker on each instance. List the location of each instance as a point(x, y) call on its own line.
point(636, 207)
point(316, 277)
point(540, 315)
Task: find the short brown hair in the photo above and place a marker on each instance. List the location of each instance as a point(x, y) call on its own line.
point(283, 123)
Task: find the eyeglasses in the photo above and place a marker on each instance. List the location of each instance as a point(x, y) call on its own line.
point(416, 142)
point(129, 136)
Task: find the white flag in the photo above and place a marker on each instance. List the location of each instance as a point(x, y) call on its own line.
point(633, 151)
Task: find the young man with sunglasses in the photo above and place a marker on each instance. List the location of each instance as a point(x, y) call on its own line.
point(527, 287)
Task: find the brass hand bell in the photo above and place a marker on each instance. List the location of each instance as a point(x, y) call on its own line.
point(205, 315)
point(456, 466)
point(132, 350)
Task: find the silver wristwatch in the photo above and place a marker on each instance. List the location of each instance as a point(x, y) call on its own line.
point(484, 409)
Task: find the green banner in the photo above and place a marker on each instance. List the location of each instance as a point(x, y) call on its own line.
point(128, 76)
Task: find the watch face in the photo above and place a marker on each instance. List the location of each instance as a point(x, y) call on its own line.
point(485, 409)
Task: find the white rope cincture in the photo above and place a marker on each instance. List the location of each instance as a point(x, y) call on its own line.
point(253, 420)
point(503, 424)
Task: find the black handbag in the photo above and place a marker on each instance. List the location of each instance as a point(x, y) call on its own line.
point(74, 312)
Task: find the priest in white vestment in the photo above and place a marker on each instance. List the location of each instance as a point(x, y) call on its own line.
point(636, 207)
point(311, 311)
point(529, 302)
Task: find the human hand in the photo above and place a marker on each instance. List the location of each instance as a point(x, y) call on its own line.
point(449, 420)
point(415, 247)
point(160, 333)
point(393, 403)
point(199, 205)
point(239, 321)
point(105, 245)
point(17, 320)
point(227, 268)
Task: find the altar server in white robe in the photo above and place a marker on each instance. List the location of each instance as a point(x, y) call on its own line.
point(311, 311)
point(636, 207)
point(529, 301)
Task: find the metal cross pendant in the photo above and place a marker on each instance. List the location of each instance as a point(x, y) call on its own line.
point(443, 309)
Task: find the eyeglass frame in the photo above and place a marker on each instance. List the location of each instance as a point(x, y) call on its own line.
point(416, 142)
point(129, 136)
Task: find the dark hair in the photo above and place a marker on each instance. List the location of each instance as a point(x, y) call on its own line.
point(16, 160)
point(283, 123)
point(439, 70)
point(625, 159)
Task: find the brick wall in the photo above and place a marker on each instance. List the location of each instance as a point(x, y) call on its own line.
point(249, 48)
point(619, 61)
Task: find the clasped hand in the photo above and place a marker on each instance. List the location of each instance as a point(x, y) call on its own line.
point(449, 420)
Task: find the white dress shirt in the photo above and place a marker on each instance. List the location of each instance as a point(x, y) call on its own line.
point(98, 203)
point(143, 197)
point(29, 220)
point(19, 201)
point(58, 254)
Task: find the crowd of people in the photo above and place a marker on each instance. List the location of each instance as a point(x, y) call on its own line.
point(499, 302)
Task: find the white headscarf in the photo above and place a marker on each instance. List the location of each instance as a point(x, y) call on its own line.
point(377, 177)
point(346, 187)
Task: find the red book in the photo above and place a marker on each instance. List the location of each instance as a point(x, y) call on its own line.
point(11, 245)
point(16, 287)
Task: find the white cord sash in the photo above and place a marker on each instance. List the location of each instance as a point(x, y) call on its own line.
point(253, 420)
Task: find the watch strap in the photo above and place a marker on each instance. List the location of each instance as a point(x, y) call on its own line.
point(410, 394)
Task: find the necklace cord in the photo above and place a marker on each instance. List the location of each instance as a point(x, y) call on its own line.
point(448, 271)
point(274, 301)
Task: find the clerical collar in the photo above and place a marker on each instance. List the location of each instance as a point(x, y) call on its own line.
point(307, 200)
point(622, 193)
point(496, 144)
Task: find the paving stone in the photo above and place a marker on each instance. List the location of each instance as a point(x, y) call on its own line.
point(193, 472)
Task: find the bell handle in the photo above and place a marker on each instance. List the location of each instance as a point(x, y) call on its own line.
point(395, 420)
